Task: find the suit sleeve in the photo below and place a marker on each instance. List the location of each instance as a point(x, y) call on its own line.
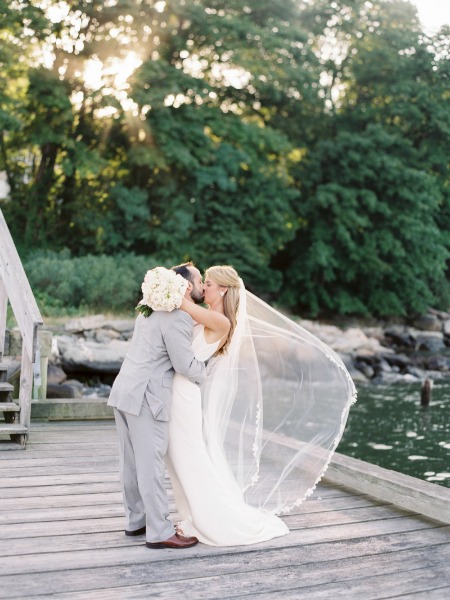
point(178, 340)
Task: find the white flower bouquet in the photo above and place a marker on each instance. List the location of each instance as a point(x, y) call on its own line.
point(162, 289)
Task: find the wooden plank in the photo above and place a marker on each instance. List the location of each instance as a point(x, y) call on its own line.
point(45, 502)
point(424, 582)
point(108, 524)
point(408, 492)
point(61, 532)
point(437, 594)
point(3, 315)
point(76, 425)
point(9, 407)
point(26, 388)
point(18, 482)
point(39, 502)
point(6, 446)
point(368, 533)
point(80, 437)
point(73, 446)
point(8, 428)
point(58, 453)
point(52, 515)
point(215, 560)
point(370, 588)
point(247, 577)
point(84, 439)
point(94, 466)
point(61, 490)
point(55, 513)
point(6, 387)
point(134, 552)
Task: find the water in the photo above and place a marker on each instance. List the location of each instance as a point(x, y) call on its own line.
point(388, 427)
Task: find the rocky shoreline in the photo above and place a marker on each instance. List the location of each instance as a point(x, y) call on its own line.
point(88, 352)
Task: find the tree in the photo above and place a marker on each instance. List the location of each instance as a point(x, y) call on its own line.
point(211, 160)
point(204, 129)
point(24, 27)
point(370, 243)
point(373, 190)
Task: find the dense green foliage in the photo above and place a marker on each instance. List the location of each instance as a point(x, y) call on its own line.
point(306, 143)
point(98, 282)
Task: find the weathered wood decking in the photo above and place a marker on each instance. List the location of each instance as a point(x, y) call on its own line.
point(61, 534)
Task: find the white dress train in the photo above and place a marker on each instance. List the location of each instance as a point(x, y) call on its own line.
point(210, 508)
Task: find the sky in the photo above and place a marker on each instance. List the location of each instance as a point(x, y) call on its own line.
point(433, 13)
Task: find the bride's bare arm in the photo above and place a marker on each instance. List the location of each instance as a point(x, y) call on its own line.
point(211, 319)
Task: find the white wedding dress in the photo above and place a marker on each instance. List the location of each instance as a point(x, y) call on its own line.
point(211, 506)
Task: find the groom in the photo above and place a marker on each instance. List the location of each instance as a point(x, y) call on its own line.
point(141, 397)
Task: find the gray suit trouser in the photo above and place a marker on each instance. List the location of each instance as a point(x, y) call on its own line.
point(142, 446)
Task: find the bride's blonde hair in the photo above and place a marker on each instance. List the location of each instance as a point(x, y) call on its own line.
point(226, 276)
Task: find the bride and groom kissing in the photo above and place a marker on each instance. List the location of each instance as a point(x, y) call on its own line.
point(189, 398)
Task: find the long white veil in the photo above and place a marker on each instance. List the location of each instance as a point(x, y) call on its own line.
point(275, 407)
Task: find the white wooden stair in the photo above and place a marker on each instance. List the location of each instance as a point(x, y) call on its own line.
point(10, 427)
point(13, 428)
point(6, 388)
point(16, 292)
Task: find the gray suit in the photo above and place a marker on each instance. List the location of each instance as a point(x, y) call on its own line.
point(141, 397)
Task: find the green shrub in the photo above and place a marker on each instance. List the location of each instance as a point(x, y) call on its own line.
point(63, 284)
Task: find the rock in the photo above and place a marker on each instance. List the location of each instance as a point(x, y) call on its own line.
point(104, 336)
point(374, 332)
point(443, 315)
point(55, 375)
point(355, 340)
point(366, 369)
point(75, 384)
point(347, 341)
point(398, 360)
point(64, 390)
point(428, 322)
point(85, 323)
point(399, 335)
point(385, 366)
point(437, 363)
point(396, 378)
point(355, 374)
point(121, 326)
point(78, 355)
point(99, 391)
point(369, 358)
point(415, 372)
point(430, 340)
point(446, 327)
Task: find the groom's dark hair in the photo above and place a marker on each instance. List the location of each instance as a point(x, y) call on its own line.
point(184, 271)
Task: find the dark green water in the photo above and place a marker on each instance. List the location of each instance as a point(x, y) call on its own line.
point(388, 427)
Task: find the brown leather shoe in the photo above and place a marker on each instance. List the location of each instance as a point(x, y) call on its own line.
point(176, 541)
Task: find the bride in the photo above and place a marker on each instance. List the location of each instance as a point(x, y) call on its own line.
point(255, 440)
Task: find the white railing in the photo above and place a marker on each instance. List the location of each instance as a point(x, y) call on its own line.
point(14, 286)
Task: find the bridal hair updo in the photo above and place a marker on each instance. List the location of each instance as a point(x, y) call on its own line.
point(226, 276)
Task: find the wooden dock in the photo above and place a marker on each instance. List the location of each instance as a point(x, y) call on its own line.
point(61, 535)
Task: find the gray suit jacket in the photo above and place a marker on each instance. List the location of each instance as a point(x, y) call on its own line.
point(161, 344)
